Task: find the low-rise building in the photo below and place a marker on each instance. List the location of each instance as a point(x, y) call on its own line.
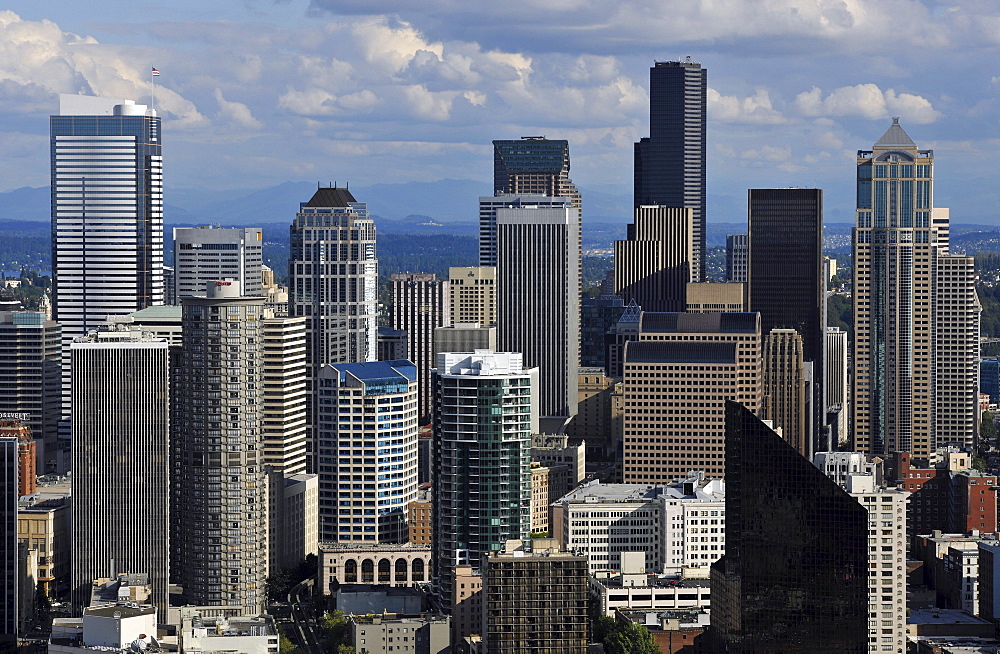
point(200, 634)
point(674, 631)
point(382, 634)
point(679, 527)
point(43, 526)
point(108, 628)
point(419, 517)
point(391, 564)
point(535, 599)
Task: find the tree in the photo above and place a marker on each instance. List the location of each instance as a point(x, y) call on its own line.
point(334, 627)
point(278, 585)
point(987, 428)
point(627, 638)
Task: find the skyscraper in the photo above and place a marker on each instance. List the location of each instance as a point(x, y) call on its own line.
point(895, 252)
point(785, 388)
point(207, 254)
point(121, 472)
point(794, 577)
point(420, 304)
point(217, 452)
point(538, 298)
point(482, 458)
point(653, 266)
point(488, 206)
point(786, 284)
point(366, 450)
point(8, 544)
point(107, 211)
point(285, 425)
point(533, 165)
point(676, 380)
point(333, 275)
point(956, 337)
point(31, 376)
point(835, 385)
point(670, 162)
point(737, 257)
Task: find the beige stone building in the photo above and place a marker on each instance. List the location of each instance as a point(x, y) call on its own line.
point(705, 297)
point(677, 379)
point(785, 388)
point(384, 563)
point(593, 422)
point(473, 295)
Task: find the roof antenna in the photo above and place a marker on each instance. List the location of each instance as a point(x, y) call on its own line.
point(348, 187)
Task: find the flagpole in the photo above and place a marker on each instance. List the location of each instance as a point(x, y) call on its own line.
point(152, 90)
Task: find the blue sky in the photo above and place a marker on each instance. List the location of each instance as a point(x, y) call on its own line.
point(256, 93)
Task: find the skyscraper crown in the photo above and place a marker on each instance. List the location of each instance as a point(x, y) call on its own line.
point(895, 137)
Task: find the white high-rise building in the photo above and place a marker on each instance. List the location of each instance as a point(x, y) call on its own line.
point(285, 425)
point(121, 472)
point(835, 383)
point(420, 304)
point(538, 296)
point(887, 562)
point(366, 442)
point(207, 254)
point(107, 214)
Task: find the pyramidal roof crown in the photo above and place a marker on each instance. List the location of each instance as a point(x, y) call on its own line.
point(895, 136)
point(331, 197)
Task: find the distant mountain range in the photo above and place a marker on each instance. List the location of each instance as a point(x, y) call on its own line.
point(447, 206)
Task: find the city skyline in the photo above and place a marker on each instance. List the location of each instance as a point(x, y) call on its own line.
point(412, 97)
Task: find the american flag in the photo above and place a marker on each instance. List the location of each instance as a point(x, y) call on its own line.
point(156, 73)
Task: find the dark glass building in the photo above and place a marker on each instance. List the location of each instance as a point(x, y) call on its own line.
point(670, 162)
point(8, 544)
point(598, 316)
point(533, 165)
point(785, 277)
point(795, 574)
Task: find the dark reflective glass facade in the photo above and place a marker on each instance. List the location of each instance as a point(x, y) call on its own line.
point(795, 574)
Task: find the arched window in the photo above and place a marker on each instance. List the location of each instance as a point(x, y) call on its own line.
point(367, 571)
point(351, 572)
point(384, 571)
point(401, 571)
point(418, 570)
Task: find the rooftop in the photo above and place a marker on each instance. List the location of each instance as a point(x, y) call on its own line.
point(699, 323)
point(330, 197)
point(371, 372)
point(597, 492)
point(895, 137)
point(942, 616)
point(653, 581)
point(158, 312)
point(680, 352)
point(119, 611)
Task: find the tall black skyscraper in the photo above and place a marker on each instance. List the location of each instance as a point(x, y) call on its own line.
point(785, 276)
point(795, 574)
point(670, 163)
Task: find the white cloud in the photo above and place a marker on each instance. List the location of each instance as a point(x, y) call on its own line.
point(37, 58)
point(753, 109)
point(236, 112)
point(867, 101)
